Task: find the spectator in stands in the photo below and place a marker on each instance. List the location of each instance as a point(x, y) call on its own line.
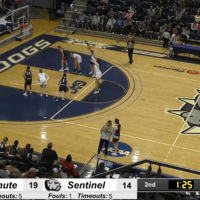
point(32, 173)
point(166, 38)
point(74, 18)
point(151, 12)
point(88, 21)
point(105, 10)
point(140, 8)
point(156, 30)
point(68, 166)
point(99, 10)
point(198, 30)
point(12, 168)
point(102, 3)
point(170, 18)
point(90, 3)
point(157, 15)
point(162, 30)
point(128, 15)
point(133, 9)
point(160, 7)
point(56, 173)
point(110, 24)
point(25, 152)
point(141, 29)
point(50, 156)
point(14, 150)
point(185, 33)
point(106, 133)
point(4, 147)
point(127, 26)
point(178, 15)
point(100, 169)
point(81, 20)
point(75, 174)
point(197, 17)
point(3, 173)
point(102, 23)
point(192, 196)
point(111, 13)
point(119, 24)
point(31, 157)
point(148, 31)
point(95, 21)
point(15, 174)
point(194, 27)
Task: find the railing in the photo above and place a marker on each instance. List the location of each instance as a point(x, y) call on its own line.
point(160, 164)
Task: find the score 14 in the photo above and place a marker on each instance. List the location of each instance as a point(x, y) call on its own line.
point(127, 185)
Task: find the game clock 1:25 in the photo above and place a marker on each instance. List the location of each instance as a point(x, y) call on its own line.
point(181, 184)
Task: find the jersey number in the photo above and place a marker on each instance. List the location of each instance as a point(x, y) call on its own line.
point(77, 85)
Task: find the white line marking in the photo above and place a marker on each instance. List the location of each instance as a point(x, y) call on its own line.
point(107, 70)
point(185, 122)
point(71, 101)
point(167, 75)
point(133, 137)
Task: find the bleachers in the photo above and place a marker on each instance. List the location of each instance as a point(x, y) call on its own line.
point(120, 7)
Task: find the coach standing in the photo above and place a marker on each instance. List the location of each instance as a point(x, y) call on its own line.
point(130, 46)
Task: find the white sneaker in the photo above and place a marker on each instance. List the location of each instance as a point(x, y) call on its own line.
point(91, 72)
point(47, 95)
point(61, 70)
point(96, 92)
point(113, 33)
point(63, 98)
point(25, 94)
point(97, 155)
point(41, 94)
point(56, 99)
point(114, 154)
point(99, 89)
point(30, 91)
point(94, 76)
point(67, 68)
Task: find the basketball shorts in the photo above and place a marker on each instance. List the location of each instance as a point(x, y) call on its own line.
point(65, 58)
point(79, 61)
point(43, 82)
point(98, 75)
point(63, 88)
point(115, 140)
point(28, 82)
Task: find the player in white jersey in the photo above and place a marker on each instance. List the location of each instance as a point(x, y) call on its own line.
point(92, 63)
point(77, 62)
point(42, 78)
point(98, 74)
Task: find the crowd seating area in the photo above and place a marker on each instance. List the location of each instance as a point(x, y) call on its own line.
point(16, 162)
point(146, 19)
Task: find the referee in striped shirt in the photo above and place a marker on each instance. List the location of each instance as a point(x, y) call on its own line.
point(130, 46)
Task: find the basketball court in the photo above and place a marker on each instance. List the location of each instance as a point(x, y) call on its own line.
point(156, 99)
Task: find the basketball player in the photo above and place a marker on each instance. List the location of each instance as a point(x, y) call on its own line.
point(98, 74)
point(42, 78)
point(92, 63)
point(28, 80)
point(116, 136)
point(130, 46)
point(64, 59)
point(77, 62)
point(64, 86)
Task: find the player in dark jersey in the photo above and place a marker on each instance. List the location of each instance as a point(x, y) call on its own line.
point(63, 86)
point(64, 59)
point(28, 80)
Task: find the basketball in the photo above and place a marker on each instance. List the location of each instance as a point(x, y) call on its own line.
point(21, 26)
point(89, 47)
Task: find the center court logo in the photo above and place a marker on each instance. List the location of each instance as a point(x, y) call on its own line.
point(190, 114)
point(52, 185)
point(124, 150)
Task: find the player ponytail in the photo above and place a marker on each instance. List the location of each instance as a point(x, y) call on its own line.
point(28, 67)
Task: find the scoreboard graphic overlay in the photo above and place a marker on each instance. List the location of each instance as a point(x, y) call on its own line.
point(91, 188)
